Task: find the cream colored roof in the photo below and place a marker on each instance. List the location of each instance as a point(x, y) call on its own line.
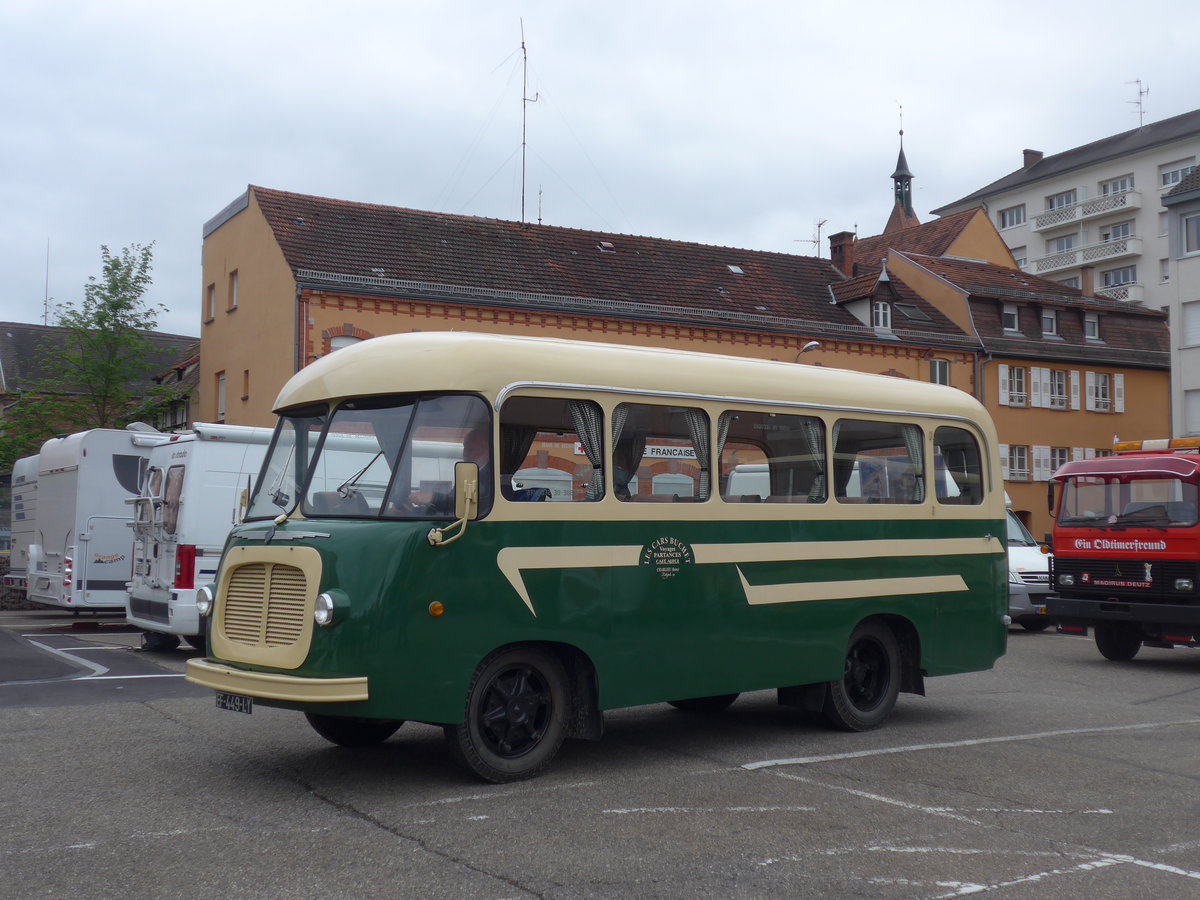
point(483, 363)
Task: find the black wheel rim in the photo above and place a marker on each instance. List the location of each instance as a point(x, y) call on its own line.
point(515, 711)
point(867, 674)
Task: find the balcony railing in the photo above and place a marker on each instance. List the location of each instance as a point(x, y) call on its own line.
point(1087, 209)
point(1133, 292)
point(1085, 255)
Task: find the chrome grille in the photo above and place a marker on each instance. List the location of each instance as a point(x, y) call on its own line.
point(265, 605)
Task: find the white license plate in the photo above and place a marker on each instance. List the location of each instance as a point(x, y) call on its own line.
point(235, 702)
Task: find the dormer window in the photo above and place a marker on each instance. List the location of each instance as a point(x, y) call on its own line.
point(881, 315)
point(1049, 323)
point(1009, 318)
point(606, 247)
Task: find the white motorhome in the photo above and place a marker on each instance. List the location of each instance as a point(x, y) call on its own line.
point(191, 495)
point(23, 517)
point(80, 551)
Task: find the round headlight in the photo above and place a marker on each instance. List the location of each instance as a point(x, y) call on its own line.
point(323, 610)
point(204, 600)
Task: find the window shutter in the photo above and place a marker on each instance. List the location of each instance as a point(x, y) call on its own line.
point(1077, 453)
point(1004, 461)
point(1119, 392)
point(1090, 379)
point(1041, 463)
point(1002, 395)
point(1074, 389)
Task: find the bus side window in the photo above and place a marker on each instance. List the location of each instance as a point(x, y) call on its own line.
point(878, 462)
point(551, 449)
point(958, 468)
point(660, 453)
point(772, 457)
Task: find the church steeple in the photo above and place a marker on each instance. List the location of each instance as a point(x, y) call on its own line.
point(902, 210)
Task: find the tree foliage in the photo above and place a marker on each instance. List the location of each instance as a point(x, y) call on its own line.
point(95, 372)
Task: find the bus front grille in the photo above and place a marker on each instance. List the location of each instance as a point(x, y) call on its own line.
point(265, 605)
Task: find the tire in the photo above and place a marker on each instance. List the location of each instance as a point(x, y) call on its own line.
point(1118, 642)
point(157, 642)
point(712, 704)
point(196, 641)
point(516, 717)
point(866, 695)
point(352, 731)
point(1035, 625)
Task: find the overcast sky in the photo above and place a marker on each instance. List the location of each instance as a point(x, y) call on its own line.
point(741, 124)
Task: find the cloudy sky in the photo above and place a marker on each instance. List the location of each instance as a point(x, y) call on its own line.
point(742, 124)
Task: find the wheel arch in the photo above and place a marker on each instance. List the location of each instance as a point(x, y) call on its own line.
point(585, 720)
point(912, 676)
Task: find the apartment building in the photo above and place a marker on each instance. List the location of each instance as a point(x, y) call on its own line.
point(1183, 227)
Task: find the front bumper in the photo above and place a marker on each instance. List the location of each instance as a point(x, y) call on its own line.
point(1070, 610)
point(273, 686)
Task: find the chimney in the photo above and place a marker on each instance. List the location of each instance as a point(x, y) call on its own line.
point(841, 252)
point(1087, 280)
point(1032, 157)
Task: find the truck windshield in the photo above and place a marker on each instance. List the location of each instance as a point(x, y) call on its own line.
point(380, 456)
point(1155, 501)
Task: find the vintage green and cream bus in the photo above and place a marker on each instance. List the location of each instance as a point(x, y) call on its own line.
point(507, 536)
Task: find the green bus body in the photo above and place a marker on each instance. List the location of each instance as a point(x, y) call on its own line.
point(641, 603)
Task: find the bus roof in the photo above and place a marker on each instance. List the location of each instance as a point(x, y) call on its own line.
point(488, 364)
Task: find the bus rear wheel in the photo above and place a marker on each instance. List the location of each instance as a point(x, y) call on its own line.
point(352, 731)
point(1118, 641)
point(867, 693)
point(516, 716)
point(712, 704)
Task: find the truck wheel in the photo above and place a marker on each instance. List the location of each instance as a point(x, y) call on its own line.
point(867, 693)
point(352, 731)
point(157, 642)
point(1118, 642)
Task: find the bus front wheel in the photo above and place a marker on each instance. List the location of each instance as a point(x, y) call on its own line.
point(1118, 641)
point(867, 693)
point(352, 731)
point(516, 715)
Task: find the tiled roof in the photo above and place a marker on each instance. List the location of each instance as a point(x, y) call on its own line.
point(1123, 144)
point(23, 349)
point(931, 238)
point(1189, 184)
point(322, 237)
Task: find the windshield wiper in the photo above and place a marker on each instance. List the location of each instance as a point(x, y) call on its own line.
point(346, 488)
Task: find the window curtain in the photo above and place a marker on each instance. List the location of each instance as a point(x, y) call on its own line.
point(697, 423)
point(627, 452)
point(914, 444)
point(814, 438)
point(515, 441)
point(589, 425)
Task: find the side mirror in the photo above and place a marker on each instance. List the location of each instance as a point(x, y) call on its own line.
point(466, 490)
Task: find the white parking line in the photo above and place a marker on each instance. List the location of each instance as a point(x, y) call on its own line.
point(971, 742)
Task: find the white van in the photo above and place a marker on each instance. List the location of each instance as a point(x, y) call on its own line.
point(191, 496)
point(1028, 575)
point(80, 548)
point(23, 519)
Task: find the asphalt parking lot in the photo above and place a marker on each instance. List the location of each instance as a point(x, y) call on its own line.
point(1058, 774)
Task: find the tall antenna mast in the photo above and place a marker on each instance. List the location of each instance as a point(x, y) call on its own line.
point(1141, 107)
point(46, 295)
point(525, 101)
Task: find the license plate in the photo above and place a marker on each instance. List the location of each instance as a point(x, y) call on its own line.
point(235, 702)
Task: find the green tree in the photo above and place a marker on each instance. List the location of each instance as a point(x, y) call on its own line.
point(96, 367)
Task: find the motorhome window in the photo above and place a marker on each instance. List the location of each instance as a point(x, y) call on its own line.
point(551, 449)
point(286, 465)
point(171, 495)
point(958, 467)
point(877, 462)
point(1129, 501)
point(395, 457)
point(660, 453)
point(127, 467)
point(771, 457)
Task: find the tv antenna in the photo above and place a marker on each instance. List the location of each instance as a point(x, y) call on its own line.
point(815, 240)
point(525, 101)
point(1141, 107)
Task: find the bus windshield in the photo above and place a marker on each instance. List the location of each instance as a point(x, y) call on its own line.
point(373, 457)
point(1156, 501)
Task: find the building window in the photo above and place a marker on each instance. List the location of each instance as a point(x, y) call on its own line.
point(881, 314)
point(220, 396)
point(1059, 457)
point(1012, 217)
point(1162, 224)
point(1018, 462)
point(233, 289)
point(1049, 323)
point(210, 303)
point(341, 341)
point(939, 371)
point(1059, 200)
point(1172, 173)
point(1056, 388)
point(1020, 256)
point(1103, 401)
point(1061, 244)
point(1017, 394)
point(1091, 326)
point(1117, 232)
point(1123, 275)
point(1164, 270)
point(1009, 318)
point(1072, 282)
point(245, 384)
point(1191, 412)
point(1116, 185)
point(1191, 234)
point(1191, 324)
